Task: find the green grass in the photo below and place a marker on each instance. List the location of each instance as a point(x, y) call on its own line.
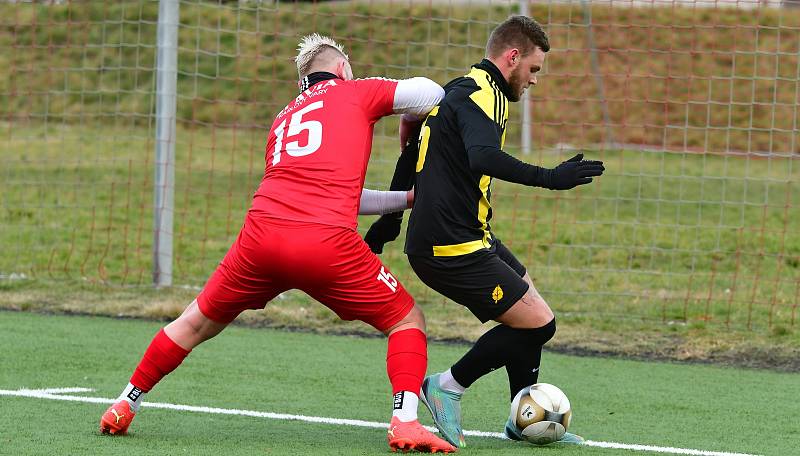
point(698, 407)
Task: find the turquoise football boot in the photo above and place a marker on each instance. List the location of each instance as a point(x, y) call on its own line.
point(511, 431)
point(569, 438)
point(445, 407)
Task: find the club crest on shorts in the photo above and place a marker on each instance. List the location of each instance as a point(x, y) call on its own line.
point(497, 294)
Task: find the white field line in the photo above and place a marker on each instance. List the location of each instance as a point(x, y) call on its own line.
point(58, 394)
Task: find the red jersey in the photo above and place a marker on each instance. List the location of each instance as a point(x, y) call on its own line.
point(318, 149)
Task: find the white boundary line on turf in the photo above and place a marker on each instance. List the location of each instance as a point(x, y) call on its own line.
point(59, 395)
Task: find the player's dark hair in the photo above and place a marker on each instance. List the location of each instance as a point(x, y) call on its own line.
point(519, 32)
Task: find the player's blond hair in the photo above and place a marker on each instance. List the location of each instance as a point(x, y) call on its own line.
point(312, 46)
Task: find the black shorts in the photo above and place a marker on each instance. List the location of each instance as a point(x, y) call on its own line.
point(487, 282)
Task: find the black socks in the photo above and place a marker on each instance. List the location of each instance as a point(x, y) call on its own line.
point(519, 350)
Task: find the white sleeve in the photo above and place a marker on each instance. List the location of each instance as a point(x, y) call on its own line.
point(416, 97)
point(375, 202)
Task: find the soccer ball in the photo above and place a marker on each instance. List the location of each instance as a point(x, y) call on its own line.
point(541, 413)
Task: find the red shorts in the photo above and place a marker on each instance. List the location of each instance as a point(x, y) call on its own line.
point(331, 264)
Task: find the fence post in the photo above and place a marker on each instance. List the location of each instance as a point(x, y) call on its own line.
point(164, 182)
point(526, 105)
point(598, 75)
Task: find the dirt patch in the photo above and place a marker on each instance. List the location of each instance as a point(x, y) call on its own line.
point(753, 358)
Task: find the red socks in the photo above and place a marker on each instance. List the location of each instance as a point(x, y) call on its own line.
point(407, 360)
point(162, 357)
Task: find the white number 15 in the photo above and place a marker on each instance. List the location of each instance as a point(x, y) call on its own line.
point(296, 126)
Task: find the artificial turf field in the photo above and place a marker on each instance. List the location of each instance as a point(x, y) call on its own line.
point(689, 407)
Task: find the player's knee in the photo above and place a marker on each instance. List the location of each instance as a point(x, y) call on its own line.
point(523, 340)
point(193, 327)
point(416, 318)
point(547, 331)
point(533, 337)
point(527, 313)
point(413, 319)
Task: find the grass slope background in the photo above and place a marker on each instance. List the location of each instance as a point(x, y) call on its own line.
point(698, 407)
point(677, 255)
point(712, 78)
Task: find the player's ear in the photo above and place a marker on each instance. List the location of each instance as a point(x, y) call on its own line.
point(513, 57)
point(343, 70)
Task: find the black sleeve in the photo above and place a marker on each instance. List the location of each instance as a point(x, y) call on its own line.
point(492, 161)
point(481, 136)
point(387, 227)
point(404, 170)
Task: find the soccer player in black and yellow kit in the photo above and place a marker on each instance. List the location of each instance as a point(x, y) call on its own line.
point(449, 242)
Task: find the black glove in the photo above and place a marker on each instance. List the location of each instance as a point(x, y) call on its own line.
point(573, 172)
point(385, 229)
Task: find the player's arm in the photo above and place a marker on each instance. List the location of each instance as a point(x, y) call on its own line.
point(481, 137)
point(388, 226)
point(413, 98)
point(377, 202)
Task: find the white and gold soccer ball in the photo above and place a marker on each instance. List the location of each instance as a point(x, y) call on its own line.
point(541, 413)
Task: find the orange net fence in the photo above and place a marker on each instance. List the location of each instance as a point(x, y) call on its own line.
point(693, 106)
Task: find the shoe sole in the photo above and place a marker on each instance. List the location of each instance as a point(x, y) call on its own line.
point(107, 429)
point(406, 445)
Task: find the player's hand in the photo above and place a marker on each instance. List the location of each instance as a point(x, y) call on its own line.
point(410, 198)
point(385, 229)
point(573, 172)
point(409, 131)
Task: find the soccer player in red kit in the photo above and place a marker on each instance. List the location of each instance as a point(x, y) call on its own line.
point(300, 232)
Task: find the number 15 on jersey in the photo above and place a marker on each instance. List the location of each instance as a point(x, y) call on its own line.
point(297, 126)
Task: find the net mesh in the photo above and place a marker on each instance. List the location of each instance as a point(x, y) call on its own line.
point(692, 105)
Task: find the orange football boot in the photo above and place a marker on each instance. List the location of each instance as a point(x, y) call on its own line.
point(117, 419)
point(412, 436)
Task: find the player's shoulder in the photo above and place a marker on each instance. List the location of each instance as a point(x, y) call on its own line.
point(371, 85)
point(484, 81)
point(459, 89)
point(461, 83)
point(372, 81)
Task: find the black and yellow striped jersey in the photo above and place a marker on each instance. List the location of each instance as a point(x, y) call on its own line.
point(452, 203)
